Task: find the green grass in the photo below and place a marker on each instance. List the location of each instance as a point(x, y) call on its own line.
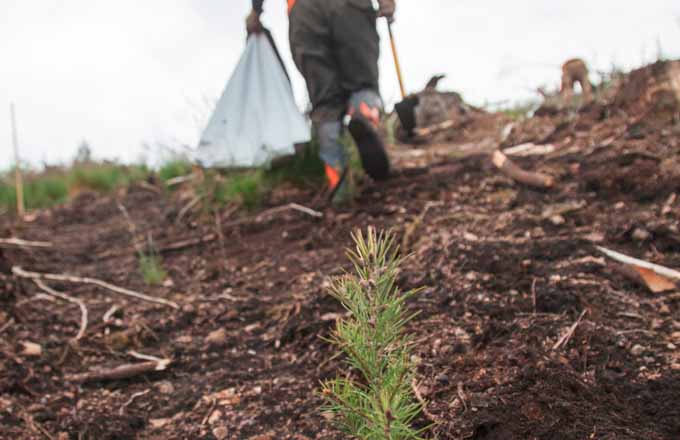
point(173, 169)
point(105, 178)
point(247, 188)
point(53, 187)
point(152, 270)
point(250, 188)
point(39, 193)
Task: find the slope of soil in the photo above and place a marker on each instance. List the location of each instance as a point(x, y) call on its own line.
point(507, 271)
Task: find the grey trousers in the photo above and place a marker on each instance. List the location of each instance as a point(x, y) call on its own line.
point(335, 45)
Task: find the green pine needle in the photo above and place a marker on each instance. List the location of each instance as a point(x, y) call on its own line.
point(374, 399)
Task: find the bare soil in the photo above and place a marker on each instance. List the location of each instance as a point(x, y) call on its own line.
point(506, 272)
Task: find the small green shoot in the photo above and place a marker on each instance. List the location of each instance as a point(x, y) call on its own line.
point(373, 399)
point(152, 270)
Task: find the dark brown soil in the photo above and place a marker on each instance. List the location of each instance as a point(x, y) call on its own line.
point(506, 271)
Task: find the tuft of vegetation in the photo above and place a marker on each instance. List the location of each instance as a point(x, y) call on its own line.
point(151, 267)
point(250, 188)
point(374, 399)
point(174, 168)
point(106, 177)
point(54, 185)
point(38, 193)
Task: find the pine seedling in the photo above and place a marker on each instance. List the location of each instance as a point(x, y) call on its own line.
point(374, 399)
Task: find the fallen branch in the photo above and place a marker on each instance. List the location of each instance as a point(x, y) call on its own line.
point(291, 206)
point(510, 169)
point(432, 129)
point(655, 277)
point(195, 201)
point(564, 340)
point(118, 373)
point(109, 313)
point(62, 296)
point(24, 243)
point(132, 398)
point(621, 258)
point(18, 271)
point(529, 149)
point(184, 244)
point(144, 357)
point(179, 180)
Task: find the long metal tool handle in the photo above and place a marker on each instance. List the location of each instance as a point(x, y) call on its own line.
point(396, 60)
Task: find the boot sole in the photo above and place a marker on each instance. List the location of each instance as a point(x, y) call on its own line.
point(371, 149)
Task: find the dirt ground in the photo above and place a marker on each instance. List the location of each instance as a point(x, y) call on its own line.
point(507, 271)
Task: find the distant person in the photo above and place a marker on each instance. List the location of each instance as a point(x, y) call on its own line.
point(576, 71)
point(335, 45)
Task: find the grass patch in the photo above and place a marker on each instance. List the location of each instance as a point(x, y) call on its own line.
point(152, 270)
point(105, 178)
point(373, 399)
point(247, 188)
point(173, 169)
point(38, 193)
point(54, 186)
point(250, 188)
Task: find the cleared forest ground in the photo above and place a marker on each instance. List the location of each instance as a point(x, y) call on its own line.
point(507, 272)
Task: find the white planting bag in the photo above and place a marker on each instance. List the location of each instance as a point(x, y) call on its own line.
point(256, 119)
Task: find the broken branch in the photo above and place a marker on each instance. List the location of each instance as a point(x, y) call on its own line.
point(432, 129)
point(18, 271)
point(24, 243)
point(181, 245)
point(132, 398)
point(510, 169)
point(655, 277)
point(62, 296)
point(118, 373)
point(290, 206)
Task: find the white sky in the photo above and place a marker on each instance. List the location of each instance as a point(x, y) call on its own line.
point(121, 73)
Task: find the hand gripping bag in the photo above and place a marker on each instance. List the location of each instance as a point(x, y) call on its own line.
point(256, 119)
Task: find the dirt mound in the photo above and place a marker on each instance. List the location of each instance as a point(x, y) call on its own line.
point(656, 86)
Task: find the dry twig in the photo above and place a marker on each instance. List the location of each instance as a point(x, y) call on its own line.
point(18, 271)
point(510, 169)
point(189, 206)
point(121, 372)
point(625, 259)
point(564, 340)
point(7, 325)
point(24, 243)
point(132, 398)
point(291, 206)
point(415, 224)
point(423, 403)
point(78, 302)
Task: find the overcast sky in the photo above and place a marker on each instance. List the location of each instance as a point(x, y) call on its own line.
point(127, 72)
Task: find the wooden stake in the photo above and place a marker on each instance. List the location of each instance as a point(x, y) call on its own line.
point(18, 181)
